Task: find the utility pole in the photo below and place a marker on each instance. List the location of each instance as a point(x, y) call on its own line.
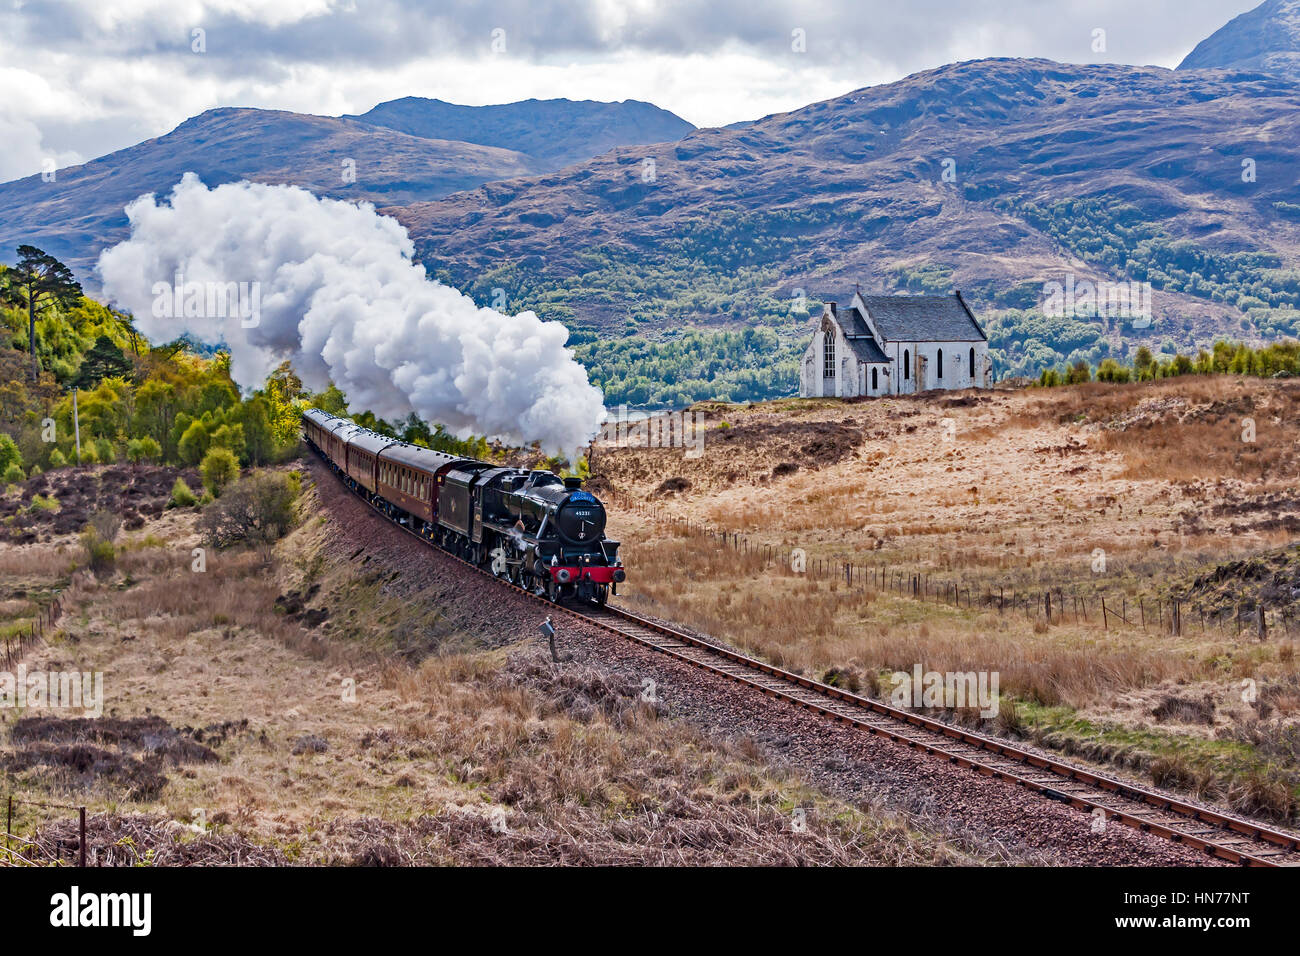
point(76, 424)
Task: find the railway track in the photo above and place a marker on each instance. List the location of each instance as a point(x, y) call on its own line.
point(1218, 834)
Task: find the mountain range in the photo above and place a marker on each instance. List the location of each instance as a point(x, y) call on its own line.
point(687, 262)
point(407, 150)
point(1265, 39)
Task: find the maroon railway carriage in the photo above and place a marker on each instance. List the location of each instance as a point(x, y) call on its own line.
point(408, 480)
point(329, 433)
point(364, 447)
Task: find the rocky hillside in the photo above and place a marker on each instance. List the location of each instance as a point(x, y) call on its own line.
point(1101, 171)
point(1266, 39)
point(850, 189)
point(403, 151)
point(554, 133)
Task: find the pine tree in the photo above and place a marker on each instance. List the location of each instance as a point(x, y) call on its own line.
point(38, 282)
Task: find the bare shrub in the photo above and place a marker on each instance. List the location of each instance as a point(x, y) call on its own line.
point(106, 524)
point(97, 540)
point(256, 510)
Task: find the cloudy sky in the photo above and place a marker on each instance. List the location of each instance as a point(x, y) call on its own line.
point(81, 78)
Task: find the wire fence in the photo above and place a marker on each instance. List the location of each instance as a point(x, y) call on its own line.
point(29, 851)
point(1051, 605)
point(17, 644)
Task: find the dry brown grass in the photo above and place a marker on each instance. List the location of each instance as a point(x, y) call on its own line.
point(1017, 490)
point(1186, 430)
point(811, 625)
point(35, 561)
point(483, 757)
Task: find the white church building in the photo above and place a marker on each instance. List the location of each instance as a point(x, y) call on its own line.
point(895, 345)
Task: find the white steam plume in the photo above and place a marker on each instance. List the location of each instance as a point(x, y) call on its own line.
point(337, 294)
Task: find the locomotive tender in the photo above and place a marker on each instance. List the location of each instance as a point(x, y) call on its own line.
point(541, 532)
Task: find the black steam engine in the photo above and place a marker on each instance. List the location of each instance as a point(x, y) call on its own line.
point(541, 532)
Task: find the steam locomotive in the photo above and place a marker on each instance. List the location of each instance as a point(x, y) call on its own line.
point(540, 531)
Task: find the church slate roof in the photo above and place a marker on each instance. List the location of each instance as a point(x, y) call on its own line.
point(866, 349)
point(853, 324)
point(922, 318)
point(860, 339)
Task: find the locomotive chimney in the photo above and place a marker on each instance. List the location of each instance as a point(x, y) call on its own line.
point(573, 482)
